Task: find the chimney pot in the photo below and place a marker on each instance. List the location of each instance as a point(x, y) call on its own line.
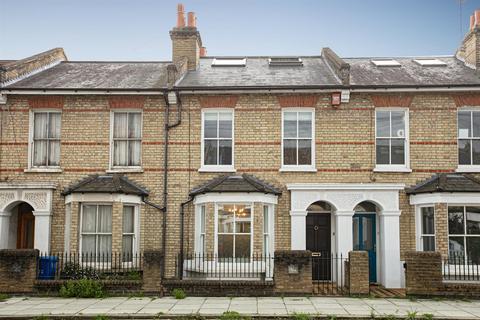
point(203, 52)
point(180, 16)
point(192, 21)
point(477, 17)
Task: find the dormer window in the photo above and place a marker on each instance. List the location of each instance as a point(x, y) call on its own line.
point(229, 62)
point(285, 61)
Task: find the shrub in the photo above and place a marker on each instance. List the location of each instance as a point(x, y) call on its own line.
point(84, 288)
point(3, 297)
point(74, 271)
point(134, 275)
point(179, 294)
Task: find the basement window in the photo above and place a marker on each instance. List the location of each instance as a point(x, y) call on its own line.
point(430, 62)
point(229, 62)
point(285, 61)
point(386, 63)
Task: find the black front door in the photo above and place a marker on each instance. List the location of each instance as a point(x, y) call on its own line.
point(318, 242)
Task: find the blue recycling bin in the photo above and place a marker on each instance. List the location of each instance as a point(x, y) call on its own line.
point(46, 267)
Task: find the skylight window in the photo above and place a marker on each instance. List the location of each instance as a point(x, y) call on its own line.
point(386, 63)
point(430, 62)
point(229, 62)
point(285, 61)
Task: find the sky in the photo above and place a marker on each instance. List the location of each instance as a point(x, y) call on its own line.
point(122, 30)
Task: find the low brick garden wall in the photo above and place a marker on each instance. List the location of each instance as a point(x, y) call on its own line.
point(18, 270)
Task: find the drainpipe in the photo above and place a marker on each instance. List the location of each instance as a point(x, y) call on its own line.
point(182, 222)
point(167, 128)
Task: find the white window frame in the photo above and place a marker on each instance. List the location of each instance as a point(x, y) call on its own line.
point(465, 235)
point(200, 235)
point(136, 227)
point(419, 226)
point(268, 249)
point(394, 167)
point(31, 167)
point(81, 233)
point(119, 169)
point(217, 167)
point(467, 167)
point(301, 168)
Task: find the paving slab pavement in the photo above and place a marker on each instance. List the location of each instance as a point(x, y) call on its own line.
point(168, 307)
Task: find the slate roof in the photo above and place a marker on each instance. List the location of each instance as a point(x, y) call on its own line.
point(106, 184)
point(235, 183)
point(98, 76)
point(447, 182)
point(363, 73)
point(257, 73)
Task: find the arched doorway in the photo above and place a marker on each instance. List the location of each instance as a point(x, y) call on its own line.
point(21, 227)
point(318, 239)
point(365, 234)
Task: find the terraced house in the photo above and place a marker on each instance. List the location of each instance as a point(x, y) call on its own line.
point(225, 163)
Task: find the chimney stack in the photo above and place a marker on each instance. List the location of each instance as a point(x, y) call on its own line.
point(186, 40)
point(469, 51)
point(203, 52)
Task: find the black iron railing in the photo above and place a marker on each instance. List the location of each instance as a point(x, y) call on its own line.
point(212, 267)
point(102, 266)
point(457, 267)
point(328, 273)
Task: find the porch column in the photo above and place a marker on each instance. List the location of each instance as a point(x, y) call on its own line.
point(298, 232)
point(390, 249)
point(343, 232)
point(42, 231)
point(4, 224)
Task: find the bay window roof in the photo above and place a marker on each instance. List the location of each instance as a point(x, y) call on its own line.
point(108, 183)
point(235, 183)
point(447, 182)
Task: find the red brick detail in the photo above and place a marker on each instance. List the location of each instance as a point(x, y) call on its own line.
point(298, 101)
point(126, 102)
point(13, 143)
point(319, 142)
point(447, 143)
point(174, 143)
point(218, 101)
point(85, 143)
point(467, 100)
point(258, 143)
point(55, 102)
point(392, 100)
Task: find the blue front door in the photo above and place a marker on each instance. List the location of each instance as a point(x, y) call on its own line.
point(364, 238)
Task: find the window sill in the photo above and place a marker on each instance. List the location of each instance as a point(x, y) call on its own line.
point(217, 169)
point(468, 169)
point(391, 169)
point(125, 170)
point(298, 169)
point(43, 170)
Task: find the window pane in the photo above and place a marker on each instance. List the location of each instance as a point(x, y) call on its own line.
point(243, 219)
point(40, 153)
point(383, 123)
point(88, 244)
point(242, 246)
point(120, 120)
point(54, 153)
point(398, 151)
point(290, 152)
point(54, 126)
point(104, 246)
point(40, 126)
point(202, 220)
point(225, 125)
point(428, 243)
point(473, 220)
point(304, 152)
point(289, 124)
point(476, 151)
point(456, 246)
point(265, 219)
point(225, 149)
point(398, 124)
point(128, 219)
point(135, 125)
point(104, 219)
point(305, 125)
point(134, 152)
point(89, 218)
point(383, 151)
point(473, 249)
point(120, 155)
point(225, 245)
point(428, 222)
point(210, 152)
point(210, 124)
point(127, 247)
point(464, 152)
point(464, 124)
point(476, 124)
point(455, 220)
point(225, 219)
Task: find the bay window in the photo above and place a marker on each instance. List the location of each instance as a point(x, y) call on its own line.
point(45, 144)
point(298, 143)
point(464, 233)
point(217, 140)
point(427, 227)
point(126, 139)
point(96, 232)
point(234, 231)
point(468, 139)
point(128, 233)
point(391, 140)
